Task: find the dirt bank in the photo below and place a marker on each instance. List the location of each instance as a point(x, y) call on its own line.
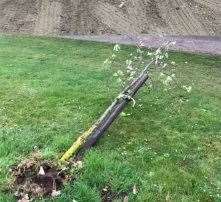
point(58, 17)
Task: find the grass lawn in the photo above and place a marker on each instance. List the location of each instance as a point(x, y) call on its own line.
point(169, 146)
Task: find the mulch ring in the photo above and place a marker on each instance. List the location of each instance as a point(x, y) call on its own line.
point(35, 178)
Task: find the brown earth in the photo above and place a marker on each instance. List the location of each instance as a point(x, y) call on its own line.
point(34, 178)
point(64, 17)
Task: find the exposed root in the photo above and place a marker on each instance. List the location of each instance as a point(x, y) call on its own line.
point(36, 178)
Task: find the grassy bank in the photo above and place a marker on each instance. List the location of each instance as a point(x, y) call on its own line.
point(169, 146)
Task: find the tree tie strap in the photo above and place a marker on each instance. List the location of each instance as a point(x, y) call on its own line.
point(127, 97)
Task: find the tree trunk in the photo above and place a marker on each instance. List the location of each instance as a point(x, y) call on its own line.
point(91, 137)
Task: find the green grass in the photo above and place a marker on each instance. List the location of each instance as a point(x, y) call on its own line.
point(169, 147)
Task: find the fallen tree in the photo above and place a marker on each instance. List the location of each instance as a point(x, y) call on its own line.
point(91, 136)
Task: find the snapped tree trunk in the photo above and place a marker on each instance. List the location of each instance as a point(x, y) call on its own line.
point(91, 137)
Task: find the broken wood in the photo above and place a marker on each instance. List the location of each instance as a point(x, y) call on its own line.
point(91, 136)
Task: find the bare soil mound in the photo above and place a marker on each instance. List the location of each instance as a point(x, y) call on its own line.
point(64, 17)
point(36, 178)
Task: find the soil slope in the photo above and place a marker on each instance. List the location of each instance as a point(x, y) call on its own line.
point(63, 17)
